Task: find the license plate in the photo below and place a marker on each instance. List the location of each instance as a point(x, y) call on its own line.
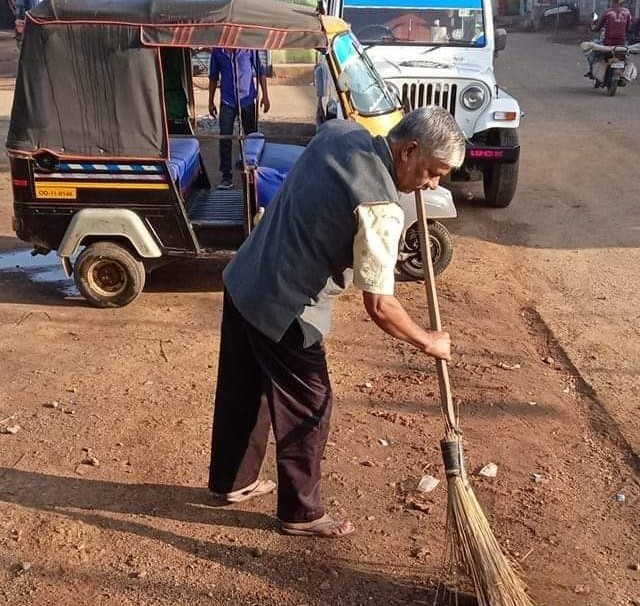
point(56, 193)
point(617, 65)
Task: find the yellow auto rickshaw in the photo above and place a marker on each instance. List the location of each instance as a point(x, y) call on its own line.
point(98, 174)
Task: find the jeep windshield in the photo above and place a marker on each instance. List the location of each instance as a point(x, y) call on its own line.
point(416, 22)
point(359, 79)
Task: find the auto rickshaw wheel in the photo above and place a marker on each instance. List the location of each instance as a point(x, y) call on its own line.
point(108, 275)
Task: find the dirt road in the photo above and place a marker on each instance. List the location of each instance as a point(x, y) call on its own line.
point(577, 221)
point(101, 488)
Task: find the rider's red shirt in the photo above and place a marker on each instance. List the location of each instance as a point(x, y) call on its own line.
point(616, 23)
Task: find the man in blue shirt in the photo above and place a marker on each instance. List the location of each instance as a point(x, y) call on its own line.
point(236, 70)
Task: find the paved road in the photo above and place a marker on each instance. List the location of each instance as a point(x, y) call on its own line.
point(575, 224)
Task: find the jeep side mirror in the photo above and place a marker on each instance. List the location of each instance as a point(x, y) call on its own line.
point(500, 40)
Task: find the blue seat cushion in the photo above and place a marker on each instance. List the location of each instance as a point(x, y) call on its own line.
point(268, 183)
point(184, 161)
point(280, 156)
point(253, 148)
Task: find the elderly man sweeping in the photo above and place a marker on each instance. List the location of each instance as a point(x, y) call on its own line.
point(335, 221)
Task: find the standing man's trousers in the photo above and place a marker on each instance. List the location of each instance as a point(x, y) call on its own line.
point(261, 384)
point(228, 116)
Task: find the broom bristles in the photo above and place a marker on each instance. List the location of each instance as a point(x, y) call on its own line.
point(471, 545)
point(474, 548)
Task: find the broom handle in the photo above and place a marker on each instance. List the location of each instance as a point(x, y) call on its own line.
point(446, 401)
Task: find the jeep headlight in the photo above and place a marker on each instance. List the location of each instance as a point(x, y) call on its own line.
point(473, 97)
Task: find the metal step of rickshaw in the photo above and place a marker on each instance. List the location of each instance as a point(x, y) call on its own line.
point(217, 207)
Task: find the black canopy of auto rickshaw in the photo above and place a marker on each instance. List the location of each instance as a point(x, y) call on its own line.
point(89, 79)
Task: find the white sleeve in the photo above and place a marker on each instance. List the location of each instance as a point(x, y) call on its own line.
point(375, 247)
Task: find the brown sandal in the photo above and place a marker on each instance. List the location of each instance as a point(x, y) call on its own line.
point(259, 488)
point(326, 527)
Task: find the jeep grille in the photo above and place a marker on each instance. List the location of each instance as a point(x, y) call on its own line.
point(433, 93)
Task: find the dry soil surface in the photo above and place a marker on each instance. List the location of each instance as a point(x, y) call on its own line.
point(102, 497)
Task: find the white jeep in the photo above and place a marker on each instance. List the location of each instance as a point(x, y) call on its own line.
point(440, 52)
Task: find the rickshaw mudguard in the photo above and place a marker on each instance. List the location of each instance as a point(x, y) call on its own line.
point(107, 222)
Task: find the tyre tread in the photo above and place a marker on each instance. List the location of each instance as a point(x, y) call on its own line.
point(501, 180)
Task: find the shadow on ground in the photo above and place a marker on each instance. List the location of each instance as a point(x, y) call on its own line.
point(88, 501)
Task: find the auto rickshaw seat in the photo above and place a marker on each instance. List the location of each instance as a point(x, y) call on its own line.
point(271, 162)
point(279, 156)
point(277, 160)
point(184, 161)
point(253, 149)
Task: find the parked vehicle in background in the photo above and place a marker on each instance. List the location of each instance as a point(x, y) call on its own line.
point(102, 171)
point(565, 14)
point(359, 85)
point(441, 52)
point(439, 206)
point(200, 58)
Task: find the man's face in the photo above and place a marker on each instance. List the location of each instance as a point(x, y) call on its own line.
point(415, 172)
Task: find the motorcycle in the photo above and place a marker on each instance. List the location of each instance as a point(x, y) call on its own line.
point(438, 205)
point(612, 66)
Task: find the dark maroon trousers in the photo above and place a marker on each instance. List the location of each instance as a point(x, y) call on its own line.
point(263, 384)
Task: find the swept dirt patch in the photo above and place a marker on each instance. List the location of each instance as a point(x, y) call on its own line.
point(102, 497)
point(132, 389)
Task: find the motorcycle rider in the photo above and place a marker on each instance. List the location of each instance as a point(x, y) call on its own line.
point(616, 22)
point(634, 32)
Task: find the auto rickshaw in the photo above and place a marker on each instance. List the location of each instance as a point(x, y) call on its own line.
point(98, 174)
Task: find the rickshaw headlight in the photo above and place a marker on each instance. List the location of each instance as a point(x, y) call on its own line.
point(473, 97)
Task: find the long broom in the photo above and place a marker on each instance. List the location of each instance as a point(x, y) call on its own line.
point(471, 545)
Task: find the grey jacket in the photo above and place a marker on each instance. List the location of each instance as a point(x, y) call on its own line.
point(298, 259)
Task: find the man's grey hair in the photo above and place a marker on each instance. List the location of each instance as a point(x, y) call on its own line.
point(435, 131)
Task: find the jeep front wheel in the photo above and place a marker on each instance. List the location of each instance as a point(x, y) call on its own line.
point(500, 180)
point(108, 275)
